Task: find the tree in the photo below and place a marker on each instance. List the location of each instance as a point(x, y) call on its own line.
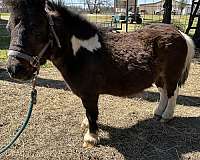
point(196, 36)
point(167, 11)
point(95, 6)
point(60, 2)
point(182, 5)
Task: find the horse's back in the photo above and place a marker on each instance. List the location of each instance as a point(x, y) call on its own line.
point(135, 60)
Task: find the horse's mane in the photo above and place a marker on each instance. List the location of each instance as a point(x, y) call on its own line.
point(78, 25)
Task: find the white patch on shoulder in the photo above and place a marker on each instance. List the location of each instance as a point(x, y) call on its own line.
point(90, 44)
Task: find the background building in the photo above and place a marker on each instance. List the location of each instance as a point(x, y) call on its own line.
point(120, 5)
point(157, 8)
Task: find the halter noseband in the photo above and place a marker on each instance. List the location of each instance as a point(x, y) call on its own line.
point(35, 60)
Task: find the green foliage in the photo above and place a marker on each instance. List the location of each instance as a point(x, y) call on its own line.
point(4, 16)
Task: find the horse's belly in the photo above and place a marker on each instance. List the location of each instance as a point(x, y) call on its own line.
point(124, 85)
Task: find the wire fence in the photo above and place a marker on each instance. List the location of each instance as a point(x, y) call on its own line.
point(4, 35)
point(112, 14)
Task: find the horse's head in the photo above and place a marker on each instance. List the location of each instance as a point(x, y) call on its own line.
point(29, 28)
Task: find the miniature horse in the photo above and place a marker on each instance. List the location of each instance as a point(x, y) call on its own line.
point(95, 61)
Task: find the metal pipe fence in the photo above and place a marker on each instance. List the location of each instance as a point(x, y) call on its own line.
point(108, 13)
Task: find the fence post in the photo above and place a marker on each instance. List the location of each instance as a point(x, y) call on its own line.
point(127, 15)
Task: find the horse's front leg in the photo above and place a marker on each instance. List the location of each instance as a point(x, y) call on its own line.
point(90, 104)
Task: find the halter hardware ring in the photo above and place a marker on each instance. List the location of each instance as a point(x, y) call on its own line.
point(35, 62)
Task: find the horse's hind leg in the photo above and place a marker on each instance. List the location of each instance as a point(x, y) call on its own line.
point(172, 93)
point(168, 89)
point(159, 110)
point(91, 136)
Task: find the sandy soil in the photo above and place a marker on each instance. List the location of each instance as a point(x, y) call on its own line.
point(127, 129)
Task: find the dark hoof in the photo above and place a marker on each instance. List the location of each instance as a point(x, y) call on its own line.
point(163, 120)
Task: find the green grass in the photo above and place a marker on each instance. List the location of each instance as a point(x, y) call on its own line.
point(48, 64)
point(4, 16)
point(3, 55)
point(98, 18)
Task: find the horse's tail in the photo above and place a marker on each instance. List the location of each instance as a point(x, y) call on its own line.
point(190, 54)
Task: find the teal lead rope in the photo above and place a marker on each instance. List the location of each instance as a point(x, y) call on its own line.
point(20, 130)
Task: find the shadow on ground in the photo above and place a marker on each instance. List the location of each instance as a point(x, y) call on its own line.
point(147, 95)
point(196, 58)
point(150, 139)
point(182, 99)
point(49, 83)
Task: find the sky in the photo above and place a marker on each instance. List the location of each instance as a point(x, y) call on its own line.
point(139, 1)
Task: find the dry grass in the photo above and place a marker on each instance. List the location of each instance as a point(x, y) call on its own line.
point(127, 129)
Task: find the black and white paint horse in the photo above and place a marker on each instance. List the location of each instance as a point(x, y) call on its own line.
point(94, 61)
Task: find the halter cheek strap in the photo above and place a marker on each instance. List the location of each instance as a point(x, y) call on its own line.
point(33, 60)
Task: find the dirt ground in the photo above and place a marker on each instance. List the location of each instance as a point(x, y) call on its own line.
point(127, 129)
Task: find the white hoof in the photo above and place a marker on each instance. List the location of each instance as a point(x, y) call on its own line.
point(90, 140)
point(168, 114)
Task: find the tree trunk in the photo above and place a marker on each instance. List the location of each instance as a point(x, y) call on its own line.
point(196, 36)
point(167, 11)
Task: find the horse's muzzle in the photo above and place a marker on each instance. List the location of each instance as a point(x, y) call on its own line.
point(18, 68)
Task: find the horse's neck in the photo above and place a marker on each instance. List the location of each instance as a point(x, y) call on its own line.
point(79, 33)
point(79, 26)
